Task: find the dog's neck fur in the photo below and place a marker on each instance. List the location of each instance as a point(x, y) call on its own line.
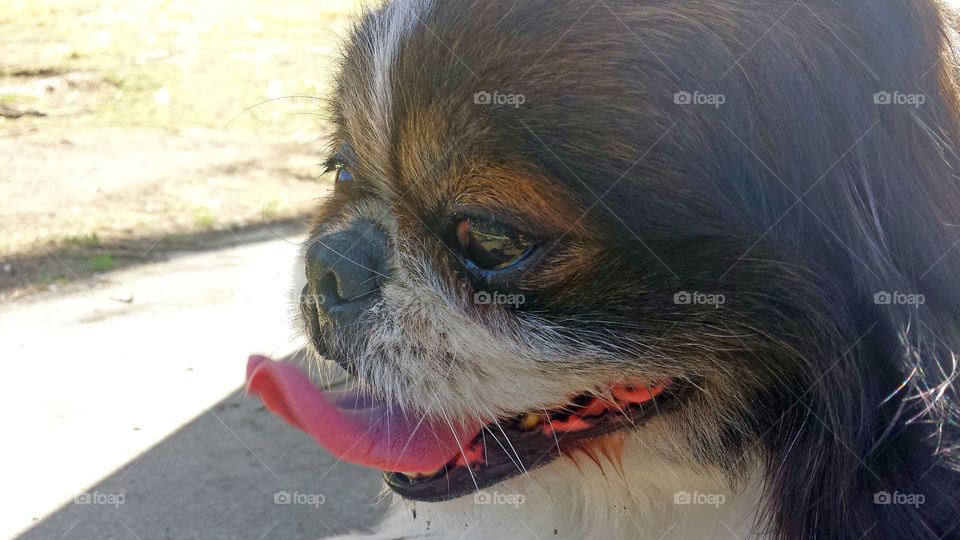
point(575, 499)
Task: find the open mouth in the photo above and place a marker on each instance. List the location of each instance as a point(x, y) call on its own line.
point(430, 459)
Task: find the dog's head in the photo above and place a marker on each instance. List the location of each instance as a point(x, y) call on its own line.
point(562, 222)
point(479, 260)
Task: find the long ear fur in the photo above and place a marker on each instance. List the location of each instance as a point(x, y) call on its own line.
point(872, 450)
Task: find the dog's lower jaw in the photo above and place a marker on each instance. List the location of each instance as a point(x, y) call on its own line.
point(574, 498)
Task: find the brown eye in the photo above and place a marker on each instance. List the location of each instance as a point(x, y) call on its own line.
point(343, 182)
point(491, 246)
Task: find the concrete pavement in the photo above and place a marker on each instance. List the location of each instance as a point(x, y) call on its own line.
point(124, 416)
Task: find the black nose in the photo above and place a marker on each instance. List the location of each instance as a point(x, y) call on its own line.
point(344, 272)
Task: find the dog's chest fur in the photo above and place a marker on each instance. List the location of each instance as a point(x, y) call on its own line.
point(651, 499)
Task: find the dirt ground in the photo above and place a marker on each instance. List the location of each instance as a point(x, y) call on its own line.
point(128, 130)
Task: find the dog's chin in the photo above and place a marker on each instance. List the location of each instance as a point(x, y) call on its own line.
point(512, 446)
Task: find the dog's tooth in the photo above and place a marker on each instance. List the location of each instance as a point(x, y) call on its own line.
point(531, 420)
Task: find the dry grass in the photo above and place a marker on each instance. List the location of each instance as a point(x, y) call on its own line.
point(132, 121)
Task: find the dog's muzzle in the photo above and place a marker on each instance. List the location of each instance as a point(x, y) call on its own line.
point(344, 270)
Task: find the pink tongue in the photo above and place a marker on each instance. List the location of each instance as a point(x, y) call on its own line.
point(355, 427)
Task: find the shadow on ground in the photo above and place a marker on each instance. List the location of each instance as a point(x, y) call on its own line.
point(78, 258)
point(236, 471)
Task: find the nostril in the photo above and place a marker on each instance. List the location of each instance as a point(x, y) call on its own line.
point(330, 288)
point(344, 271)
point(343, 268)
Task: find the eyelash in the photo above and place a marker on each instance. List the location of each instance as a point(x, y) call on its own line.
point(335, 164)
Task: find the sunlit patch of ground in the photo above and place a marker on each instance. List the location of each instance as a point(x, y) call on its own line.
point(125, 122)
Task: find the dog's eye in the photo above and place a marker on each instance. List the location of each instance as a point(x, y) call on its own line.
point(343, 183)
point(489, 245)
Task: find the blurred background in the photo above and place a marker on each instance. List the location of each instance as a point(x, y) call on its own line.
point(158, 162)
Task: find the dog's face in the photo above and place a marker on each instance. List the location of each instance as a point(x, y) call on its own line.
point(541, 247)
point(481, 259)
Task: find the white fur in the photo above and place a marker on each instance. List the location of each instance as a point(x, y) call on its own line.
point(587, 502)
point(397, 21)
point(390, 27)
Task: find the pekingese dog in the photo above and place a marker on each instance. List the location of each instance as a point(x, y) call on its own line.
point(642, 269)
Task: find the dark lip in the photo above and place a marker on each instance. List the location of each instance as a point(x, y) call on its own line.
point(316, 330)
point(510, 450)
point(311, 316)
